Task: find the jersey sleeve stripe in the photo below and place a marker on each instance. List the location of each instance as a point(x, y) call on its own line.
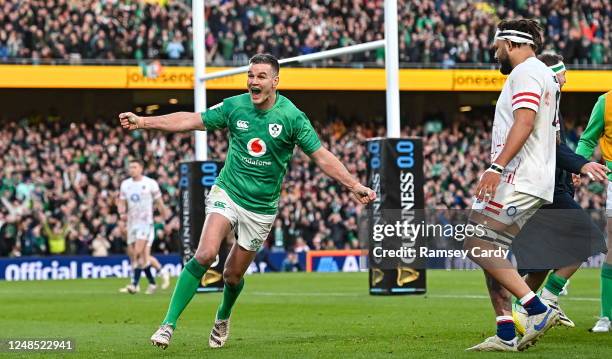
point(533, 94)
point(526, 105)
point(526, 100)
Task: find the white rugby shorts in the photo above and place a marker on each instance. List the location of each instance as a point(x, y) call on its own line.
point(251, 228)
point(508, 207)
point(140, 231)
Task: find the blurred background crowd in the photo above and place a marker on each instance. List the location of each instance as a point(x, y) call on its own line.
point(59, 182)
point(431, 31)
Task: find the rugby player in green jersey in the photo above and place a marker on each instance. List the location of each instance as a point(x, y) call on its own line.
point(264, 128)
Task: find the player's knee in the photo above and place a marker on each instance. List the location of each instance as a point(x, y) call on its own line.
point(205, 256)
point(231, 277)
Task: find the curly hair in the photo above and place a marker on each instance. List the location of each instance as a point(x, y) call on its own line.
point(530, 26)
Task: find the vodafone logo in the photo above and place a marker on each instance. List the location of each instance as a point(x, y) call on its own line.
point(256, 147)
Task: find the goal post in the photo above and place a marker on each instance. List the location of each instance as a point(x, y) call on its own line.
point(390, 43)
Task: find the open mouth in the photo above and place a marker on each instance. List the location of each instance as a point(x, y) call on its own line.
point(255, 91)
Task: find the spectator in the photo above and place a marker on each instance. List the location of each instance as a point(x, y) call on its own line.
point(56, 234)
point(175, 48)
point(300, 245)
point(71, 207)
point(237, 29)
point(291, 263)
point(100, 246)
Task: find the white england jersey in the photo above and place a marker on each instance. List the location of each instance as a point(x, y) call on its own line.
point(140, 196)
point(530, 85)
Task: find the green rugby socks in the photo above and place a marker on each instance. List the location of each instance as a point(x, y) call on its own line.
point(186, 286)
point(554, 284)
point(606, 290)
point(230, 294)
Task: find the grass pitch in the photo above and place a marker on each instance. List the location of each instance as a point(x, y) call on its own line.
point(290, 316)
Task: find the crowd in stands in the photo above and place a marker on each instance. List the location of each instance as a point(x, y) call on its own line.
point(59, 186)
point(59, 183)
point(431, 31)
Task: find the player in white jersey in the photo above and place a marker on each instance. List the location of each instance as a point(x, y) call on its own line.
point(137, 196)
point(520, 179)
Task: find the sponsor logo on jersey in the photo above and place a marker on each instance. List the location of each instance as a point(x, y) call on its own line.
point(255, 162)
point(135, 197)
point(242, 125)
point(275, 129)
point(256, 147)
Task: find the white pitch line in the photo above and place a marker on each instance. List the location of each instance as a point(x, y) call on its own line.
point(303, 294)
point(449, 296)
point(289, 294)
point(467, 296)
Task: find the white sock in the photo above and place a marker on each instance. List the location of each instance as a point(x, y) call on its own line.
point(529, 296)
point(546, 294)
point(504, 318)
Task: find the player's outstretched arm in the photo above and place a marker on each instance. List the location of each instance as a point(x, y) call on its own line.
point(332, 167)
point(174, 122)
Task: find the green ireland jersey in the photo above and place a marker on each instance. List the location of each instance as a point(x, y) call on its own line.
point(261, 144)
point(599, 130)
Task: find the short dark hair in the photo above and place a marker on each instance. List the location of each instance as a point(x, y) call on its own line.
point(136, 160)
point(550, 59)
point(529, 26)
point(266, 59)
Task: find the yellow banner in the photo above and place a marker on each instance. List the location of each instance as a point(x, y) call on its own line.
point(132, 77)
point(477, 80)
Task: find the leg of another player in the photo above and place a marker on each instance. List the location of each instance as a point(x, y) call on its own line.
point(552, 289)
point(604, 322)
point(216, 228)
point(153, 262)
point(505, 338)
point(139, 255)
point(165, 276)
point(556, 281)
point(540, 317)
point(500, 297)
point(130, 253)
point(501, 300)
point(500, 269)
point(147, 269)
point(535, 279)
point(606, 277)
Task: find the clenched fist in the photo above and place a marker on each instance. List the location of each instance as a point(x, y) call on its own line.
point(130, 121)
point(363, 194)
